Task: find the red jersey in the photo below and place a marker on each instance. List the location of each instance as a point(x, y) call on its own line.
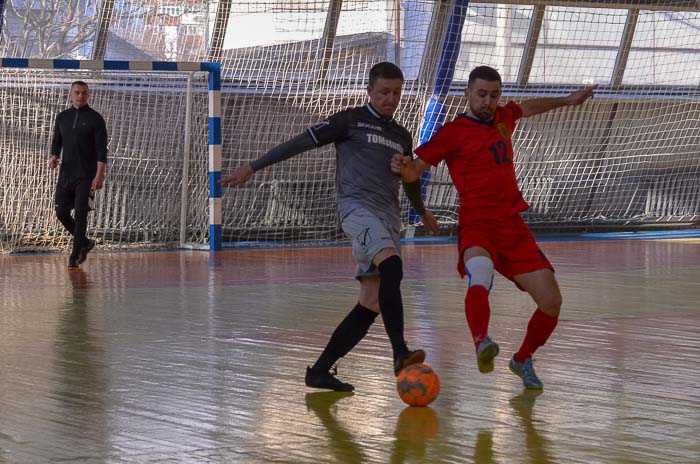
point(479, 157)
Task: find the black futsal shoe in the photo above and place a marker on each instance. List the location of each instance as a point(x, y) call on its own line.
point(73, 264)
point(407, 358)
point(87, 248)
point(326, 379)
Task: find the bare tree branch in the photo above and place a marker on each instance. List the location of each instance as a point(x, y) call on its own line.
point(53, 28)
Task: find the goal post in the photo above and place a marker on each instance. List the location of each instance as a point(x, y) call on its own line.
point(160, 140)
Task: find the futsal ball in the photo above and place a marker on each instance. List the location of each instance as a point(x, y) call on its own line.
point(418, 385)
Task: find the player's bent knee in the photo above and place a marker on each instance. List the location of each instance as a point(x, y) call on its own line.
point(391, 270)
point(551, 306)
point(369, 293)
point(480, 271)
point(384, 254)
point(370, 302)
point(372, 305)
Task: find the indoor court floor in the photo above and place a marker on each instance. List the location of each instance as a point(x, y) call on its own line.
point(192, 357)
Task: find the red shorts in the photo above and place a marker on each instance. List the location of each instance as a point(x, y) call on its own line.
point(509, 242)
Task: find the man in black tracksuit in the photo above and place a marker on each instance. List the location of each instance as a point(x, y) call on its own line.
point(81, 133)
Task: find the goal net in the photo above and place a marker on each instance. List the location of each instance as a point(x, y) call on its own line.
point(628, 158)
point(156, 190)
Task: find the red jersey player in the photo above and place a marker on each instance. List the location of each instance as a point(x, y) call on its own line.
point(477, 149)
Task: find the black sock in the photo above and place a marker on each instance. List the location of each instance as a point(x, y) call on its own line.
point(346, 336)
point(391, 273)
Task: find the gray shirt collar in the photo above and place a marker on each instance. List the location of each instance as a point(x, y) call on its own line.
point(376, 114)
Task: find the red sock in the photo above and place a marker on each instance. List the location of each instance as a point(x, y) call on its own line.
point(539, 329)
point(478, 311)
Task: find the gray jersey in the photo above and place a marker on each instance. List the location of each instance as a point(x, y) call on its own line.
point(365, 142)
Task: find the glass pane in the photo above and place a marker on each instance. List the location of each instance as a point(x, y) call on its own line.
point(254, 24)
point(578, 45)
point(494, 35)
point(665, 49)
point(273, 42)
point(661, 67)
point(159, 30)
point(362, 39)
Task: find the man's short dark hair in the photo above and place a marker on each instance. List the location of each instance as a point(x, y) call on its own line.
point(384, 70)
point(486, 73)
point(80, 83)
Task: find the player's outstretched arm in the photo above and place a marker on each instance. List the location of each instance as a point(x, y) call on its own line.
point(410, 171)
point(541, 105)
point(430, 222)
point(299, 144)
point(238, 176)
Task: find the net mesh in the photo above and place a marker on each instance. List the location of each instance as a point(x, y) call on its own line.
point(627, 158)
point(141, 203)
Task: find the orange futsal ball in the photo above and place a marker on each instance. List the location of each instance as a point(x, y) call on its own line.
point(418, 385)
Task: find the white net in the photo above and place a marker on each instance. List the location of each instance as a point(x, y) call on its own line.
point(628, 158)
point(142, 202)
point(630, 155)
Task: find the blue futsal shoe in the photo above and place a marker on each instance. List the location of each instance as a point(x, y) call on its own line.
point(526, 371)
point(485, 352)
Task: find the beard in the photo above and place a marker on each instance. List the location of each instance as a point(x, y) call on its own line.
point(484, 114)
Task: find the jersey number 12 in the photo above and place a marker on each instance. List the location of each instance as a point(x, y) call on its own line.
point(500, 152)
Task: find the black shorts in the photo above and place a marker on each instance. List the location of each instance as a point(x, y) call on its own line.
point(74, 194)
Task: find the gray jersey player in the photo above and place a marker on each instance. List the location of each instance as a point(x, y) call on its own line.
point(367, 197)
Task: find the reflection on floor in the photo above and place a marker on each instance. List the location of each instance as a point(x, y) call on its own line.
point(192, 357)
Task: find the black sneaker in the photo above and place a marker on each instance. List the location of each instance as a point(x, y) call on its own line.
point(326, 380)
point(73, 264)
point(407, 358)
point(85, 250)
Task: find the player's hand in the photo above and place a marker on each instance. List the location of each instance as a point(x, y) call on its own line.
point(97, 183)
point(399, 163)
point(430, 222)
point(238, 176)
point(53, 162)
point(581, 95)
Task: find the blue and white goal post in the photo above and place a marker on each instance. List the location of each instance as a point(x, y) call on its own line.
point(139, 100)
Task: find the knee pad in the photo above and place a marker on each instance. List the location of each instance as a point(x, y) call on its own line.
point(391, 271)
point(480, 271)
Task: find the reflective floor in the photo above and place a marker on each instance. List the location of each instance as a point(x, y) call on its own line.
point(191, 357)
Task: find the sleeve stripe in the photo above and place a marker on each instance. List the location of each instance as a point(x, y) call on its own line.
point(313, 136)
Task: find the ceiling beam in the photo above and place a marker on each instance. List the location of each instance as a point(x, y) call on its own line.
point(660, 5)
